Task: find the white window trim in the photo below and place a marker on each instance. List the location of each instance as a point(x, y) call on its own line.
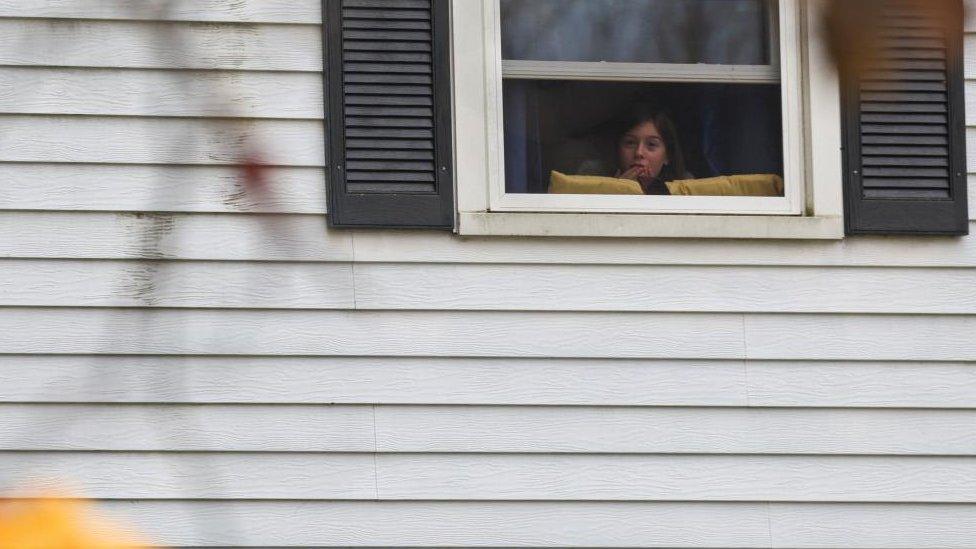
point(811, 209)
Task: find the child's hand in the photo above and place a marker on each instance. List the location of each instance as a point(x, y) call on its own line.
point(636, 173)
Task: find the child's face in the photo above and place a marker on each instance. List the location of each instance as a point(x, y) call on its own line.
point(642, 150)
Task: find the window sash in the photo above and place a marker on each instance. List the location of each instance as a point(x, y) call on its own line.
point(788, 61)
point(655, 72)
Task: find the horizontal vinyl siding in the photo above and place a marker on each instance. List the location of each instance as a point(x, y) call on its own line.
point(162, 93)
point(477, 334)
point(555, 524)
point(486, 429)
point(155, 235)
point(220, 369)
point(156, 187)
point(466, 477)
point(486, 381)
point(160, 45)
point(341, 285)
point(108, 140)
point(238, 11)
point(435, 333)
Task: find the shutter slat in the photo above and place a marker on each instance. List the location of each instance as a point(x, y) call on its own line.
point(380, 89)
point(899, 33)
point(380, 24)
point(374, 187)
point(390, 177)
point(389, 68)
point(903, 97)
point(896, 118)
point(896, 183)
point(367, 154)
point(895, 194)
point(393, 79)
point(355, 45)
point(904, 85)
point(385, 36)
point(904, 42)
point(352, 13)
point(906, 161)
point(907, 22)
point(934, 63)
point(907, 75)
point(390, 166)
point(905, 172)
point(389, 4)
point(914, 53)
point(906, 151)
point(390, 113)
point(904, 129)
point(390, 100)
point(904, 107)
point(904, 140)
point(396, 133)
point(368, 122)
point(392, 144)
point(387, 57)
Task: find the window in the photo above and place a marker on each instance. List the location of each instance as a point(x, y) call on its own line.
point(578, 75)
point(775, 63)
point(706, 69)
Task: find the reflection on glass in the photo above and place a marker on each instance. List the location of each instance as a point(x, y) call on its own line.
point(727, 32)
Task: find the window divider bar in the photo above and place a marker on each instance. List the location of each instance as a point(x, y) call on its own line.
point(640, 72)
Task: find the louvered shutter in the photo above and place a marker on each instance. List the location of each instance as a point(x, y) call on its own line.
point(905, 128)
point(388, 82)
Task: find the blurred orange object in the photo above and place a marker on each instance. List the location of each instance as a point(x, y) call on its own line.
point(860, 31)
point(58, 524)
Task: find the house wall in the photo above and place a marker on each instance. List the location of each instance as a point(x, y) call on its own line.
point(217, 367)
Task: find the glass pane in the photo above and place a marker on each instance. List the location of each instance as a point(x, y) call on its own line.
point(726, 32)
point(583, 128)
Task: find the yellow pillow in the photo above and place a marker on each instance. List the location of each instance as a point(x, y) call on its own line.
point(560, 183)
point(729, 185)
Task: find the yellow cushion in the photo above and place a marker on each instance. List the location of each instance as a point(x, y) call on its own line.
point(560, 183)
point(729, 185)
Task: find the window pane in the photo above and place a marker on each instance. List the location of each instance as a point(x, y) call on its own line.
point(578, 128)
point(727, 32)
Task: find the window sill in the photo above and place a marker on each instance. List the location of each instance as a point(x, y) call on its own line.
point(651, 226)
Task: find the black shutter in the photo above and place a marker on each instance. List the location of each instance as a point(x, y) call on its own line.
point(905, 135)
point(389, 113)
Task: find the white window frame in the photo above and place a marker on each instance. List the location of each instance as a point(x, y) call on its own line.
point(812, 205)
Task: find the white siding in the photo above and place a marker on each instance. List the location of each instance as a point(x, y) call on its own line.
point(220, 369)
point(486, 381)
